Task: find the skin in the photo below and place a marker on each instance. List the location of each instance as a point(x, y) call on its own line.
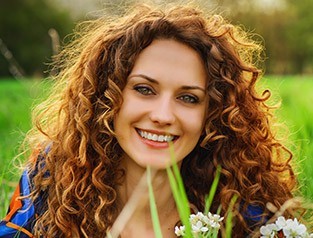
point(165, 96)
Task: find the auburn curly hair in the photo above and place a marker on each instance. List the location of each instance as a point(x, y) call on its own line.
point(80, 170)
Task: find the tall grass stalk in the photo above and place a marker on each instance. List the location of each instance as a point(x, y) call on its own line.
point(181, 198)
point(229, 218)
point(153, 207)
point(179, 193)
point(209, 198)
point(137, 199)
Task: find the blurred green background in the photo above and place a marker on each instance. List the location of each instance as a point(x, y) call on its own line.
point(31, 32)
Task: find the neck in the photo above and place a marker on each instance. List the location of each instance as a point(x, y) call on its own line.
point(134, 199)
point(160, 184)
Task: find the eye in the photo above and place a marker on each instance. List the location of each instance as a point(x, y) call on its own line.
point(189, 99)
point(144, 90)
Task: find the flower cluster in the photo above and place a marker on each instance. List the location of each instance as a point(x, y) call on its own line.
point(285, 228)
point(201, 225)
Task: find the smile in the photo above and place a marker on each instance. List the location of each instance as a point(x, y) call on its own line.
point(155, 137)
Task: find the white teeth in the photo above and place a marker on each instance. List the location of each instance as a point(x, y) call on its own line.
point(155, 137)
point(161, 138)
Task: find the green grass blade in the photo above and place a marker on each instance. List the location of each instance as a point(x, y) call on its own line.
point(209, 198)
point(182, 207)
point(177, 172)
point(179, 179)
point(153, 208)
point(179, 192)
point(229, 218)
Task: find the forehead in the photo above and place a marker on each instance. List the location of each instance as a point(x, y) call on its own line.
point(170, 59)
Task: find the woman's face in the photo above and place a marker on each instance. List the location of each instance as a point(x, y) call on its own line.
point(164, 101)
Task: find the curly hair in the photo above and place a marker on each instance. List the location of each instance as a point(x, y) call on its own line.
point(76, 122)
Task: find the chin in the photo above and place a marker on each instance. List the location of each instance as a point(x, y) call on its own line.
point(155, 164)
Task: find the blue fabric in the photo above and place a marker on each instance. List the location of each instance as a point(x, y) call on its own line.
point(253, 213)
point(21, 214)
point(254, 216)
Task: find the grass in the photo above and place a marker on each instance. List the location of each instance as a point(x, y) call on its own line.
point(17, 97)
point(296, 112)
point(16, 100)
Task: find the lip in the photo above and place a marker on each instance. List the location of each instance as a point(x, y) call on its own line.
point(156, 144)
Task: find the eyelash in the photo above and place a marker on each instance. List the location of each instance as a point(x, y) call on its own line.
point(146, 91)
point(189, 99)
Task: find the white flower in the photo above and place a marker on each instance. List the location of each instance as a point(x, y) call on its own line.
point(294, 229)
point(289, 228)
point(206, 220)
point(180, 231)
point(269, 230)
point(214, 220)
point(194, 218)
point(200, 215)
point(281, 222)
point(198, 227)
point(201, 225)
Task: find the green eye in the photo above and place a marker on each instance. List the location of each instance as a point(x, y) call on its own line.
point(144, 90)
point(189, 99)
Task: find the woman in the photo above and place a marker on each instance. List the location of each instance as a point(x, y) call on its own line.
point(128, 88)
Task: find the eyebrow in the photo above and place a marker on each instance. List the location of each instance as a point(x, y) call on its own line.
point(145, 77)
point(185, 87)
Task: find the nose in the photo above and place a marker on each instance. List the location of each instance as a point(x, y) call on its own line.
point(163, 112)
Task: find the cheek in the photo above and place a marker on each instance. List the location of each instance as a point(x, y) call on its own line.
point(130, 111)
point(195, 121)
point(131, 104)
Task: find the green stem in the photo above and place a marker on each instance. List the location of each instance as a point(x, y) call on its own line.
point(153, 207)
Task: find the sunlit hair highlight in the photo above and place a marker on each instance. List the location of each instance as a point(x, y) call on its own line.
point(79, 172)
